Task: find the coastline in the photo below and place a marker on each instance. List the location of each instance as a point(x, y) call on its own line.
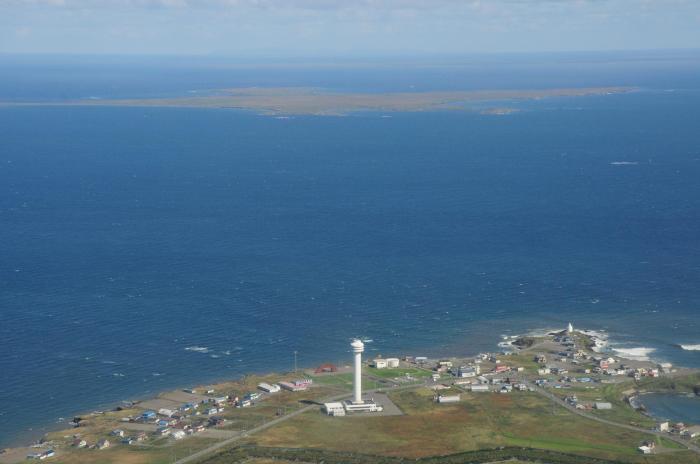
point(508, 346)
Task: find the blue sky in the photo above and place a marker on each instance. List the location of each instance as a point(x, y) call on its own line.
point(344, 27)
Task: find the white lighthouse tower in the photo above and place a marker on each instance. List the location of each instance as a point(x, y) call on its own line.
point(357, 348)
point(356, 404)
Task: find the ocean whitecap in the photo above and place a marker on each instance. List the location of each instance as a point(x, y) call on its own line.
point(635, 354)
point(197, 349)
point(691, 347)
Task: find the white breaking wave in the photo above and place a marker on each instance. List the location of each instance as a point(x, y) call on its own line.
point(600, 339)
point(691, 347)
point(198, 349)
point(636, 354)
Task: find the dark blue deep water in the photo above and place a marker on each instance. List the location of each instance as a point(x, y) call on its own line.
point(128, 236)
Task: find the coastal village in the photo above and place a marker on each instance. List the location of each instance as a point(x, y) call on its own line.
point(564, 370)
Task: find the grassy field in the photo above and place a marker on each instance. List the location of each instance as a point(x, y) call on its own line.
point(611, 393)
point(681, 384)
point(478, 422)
point(399, 372)
point(121, 454)
point(344, 381)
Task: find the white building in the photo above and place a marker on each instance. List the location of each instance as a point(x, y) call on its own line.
point(365, 406)
point(466, 372)
point(603, 406)
point(448, 398)
point(334, 409)
point(480, 388)
point(392, 363)
point(379, 363)
point(266, 387)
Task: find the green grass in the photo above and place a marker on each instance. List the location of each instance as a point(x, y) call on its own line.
point(525, 359)
point(399, 372)
point(622, 412)
point(681, 384)
point(571, 445)
point(670, 444)
point(478, 422)
point(343, 381)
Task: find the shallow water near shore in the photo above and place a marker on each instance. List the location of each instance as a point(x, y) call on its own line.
point(672, 407)
point(147, 249)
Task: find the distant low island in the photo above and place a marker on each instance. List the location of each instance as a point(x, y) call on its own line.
point(284, 101)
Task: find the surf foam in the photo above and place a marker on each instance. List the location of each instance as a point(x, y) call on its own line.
point(197, 349)
point(636, 354)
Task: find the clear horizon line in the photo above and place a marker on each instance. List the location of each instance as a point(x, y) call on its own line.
point(273, 55)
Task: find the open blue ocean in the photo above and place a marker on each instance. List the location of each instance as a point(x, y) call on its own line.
point(143, 249)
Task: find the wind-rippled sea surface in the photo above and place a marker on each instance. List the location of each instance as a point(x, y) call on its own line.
point(144, 249)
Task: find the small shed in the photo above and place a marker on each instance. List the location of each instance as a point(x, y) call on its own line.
point(448, 398)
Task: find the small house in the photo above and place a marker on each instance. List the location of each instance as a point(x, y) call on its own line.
point(392, 363)
point(379, 363)
point(266, 387)
point(480, 388)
